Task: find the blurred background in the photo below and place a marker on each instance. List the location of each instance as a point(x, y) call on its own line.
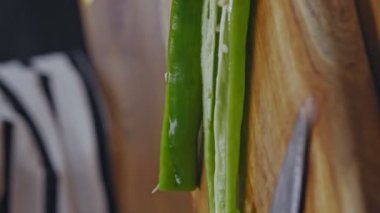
point(125, 42)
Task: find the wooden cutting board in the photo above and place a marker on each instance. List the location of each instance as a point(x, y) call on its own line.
point(313, 48)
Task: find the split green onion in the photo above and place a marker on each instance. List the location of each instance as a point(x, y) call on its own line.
point(207, 54)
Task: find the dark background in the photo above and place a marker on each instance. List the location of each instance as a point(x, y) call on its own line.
point(126, 44)
point(28, 27)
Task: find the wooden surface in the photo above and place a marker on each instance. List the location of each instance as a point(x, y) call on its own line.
point(127, 46)
point(313, 48)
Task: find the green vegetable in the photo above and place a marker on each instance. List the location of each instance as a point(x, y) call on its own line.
point(183, 103)
point(229, 102)
point(222, 59)
point(208, 59)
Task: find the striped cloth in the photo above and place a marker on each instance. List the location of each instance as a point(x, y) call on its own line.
point(53, 139)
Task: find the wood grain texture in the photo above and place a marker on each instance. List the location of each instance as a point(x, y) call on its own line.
point(313, 48)
point(126, 43)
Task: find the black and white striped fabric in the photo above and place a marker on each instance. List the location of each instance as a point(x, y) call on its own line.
point(53, 138)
